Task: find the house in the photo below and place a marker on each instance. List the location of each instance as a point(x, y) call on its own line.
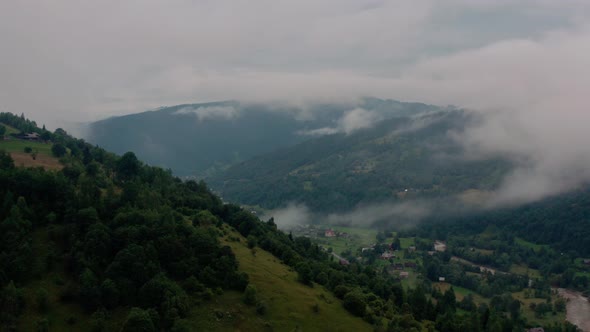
point(367, 249)
point(344, 262)
point(586, 261)
point(398, 266)
point(441, 279)
point(386, 255)
point(439, 246)
point(29, 136)
point(431, 253)
point(410, 264)
point(329, 233)
point(412, 248)
point(404, 275)
point(536, 329)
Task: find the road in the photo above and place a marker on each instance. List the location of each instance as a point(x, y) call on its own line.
point(578, 308)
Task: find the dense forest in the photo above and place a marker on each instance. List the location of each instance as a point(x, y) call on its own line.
point(131, 237)
point(400, 158)
point(203, 139)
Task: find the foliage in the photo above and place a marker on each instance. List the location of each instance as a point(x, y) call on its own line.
point(398, 159)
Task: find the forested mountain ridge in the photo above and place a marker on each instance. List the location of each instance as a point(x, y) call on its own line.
point(109, 243)
point(201, 139)
point(398, 158)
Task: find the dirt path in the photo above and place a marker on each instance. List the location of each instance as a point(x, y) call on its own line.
point(578, 308)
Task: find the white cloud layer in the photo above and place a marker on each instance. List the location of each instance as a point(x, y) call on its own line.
point(350, 122)
point(210, 112)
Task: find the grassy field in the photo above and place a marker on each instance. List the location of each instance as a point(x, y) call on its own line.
point(406, 242)
point(460, 292)
point(525, 243)
point(289, 302)
point(529, 314)
point(9, 129)
point(43, 159)
point(524, 270)
point(16, 145)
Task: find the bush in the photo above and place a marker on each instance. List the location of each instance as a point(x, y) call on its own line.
point(261, 308)
point(355, 303)
point(28, 149)
point(250, 295)
point(42, 300)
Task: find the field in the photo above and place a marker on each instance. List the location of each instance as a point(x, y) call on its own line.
point(525, 243)
point(524, 270)
point(43, 159)
point(529, 314)
point(406, 242)
point(9, 129)
point(290, 303)
point(460, 292)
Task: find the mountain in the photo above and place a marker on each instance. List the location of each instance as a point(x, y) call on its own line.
point(201, 139)
point(398, 158)
point(108, 243)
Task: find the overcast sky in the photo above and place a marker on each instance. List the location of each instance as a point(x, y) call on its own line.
point(67, 61)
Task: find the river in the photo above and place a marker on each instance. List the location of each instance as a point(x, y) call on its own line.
point(578, 308)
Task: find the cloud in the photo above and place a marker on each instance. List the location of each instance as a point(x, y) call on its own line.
point(399, 214)
point(210, 112)
point(292, 215)
point(350, 122)
point(77, 61)
point(524, 64)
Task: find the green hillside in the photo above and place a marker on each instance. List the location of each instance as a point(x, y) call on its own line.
point(203, 139)
point(109, 243)
point(291, 306)
point(400, 158)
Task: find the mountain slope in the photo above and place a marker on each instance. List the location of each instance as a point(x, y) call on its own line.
point(398, 158)
point(200, 139)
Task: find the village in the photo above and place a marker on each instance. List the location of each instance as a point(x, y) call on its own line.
point(349, 244)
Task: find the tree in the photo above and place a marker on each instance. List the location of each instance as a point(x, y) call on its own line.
point(6, 161)
point(58, 150)
point(250, 295)
point(355, 303)
point(128, 166)
point(2, 132)
point(138, 320)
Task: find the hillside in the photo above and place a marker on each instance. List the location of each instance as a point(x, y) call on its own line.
point(201, 139)
point(110, 243)
point(397, 159)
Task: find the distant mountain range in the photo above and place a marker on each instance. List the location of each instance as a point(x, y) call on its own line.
point(202, 139)
point(329, 156)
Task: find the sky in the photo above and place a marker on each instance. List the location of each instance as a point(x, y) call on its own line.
point(72, 61)
point(525, 65)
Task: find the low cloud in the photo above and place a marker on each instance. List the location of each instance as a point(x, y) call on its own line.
point(350, 122)
point(547, 148)
point(210, 112)
point(292, 215)
point(402, 215)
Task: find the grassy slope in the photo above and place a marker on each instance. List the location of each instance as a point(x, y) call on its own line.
point(16, 145)
point(289, 302)
point(44, 157)
point(9, 129)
